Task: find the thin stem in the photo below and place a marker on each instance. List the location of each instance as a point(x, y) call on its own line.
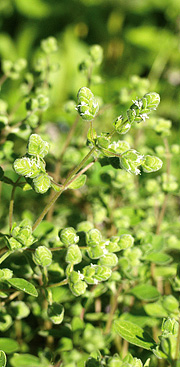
point(11, 205)
point(113, 309)
point(168, 168)
point(64, 282)
point(64, 187)
point(178, 342)
point(4, 257)
point(58, 165)
point(3, 79)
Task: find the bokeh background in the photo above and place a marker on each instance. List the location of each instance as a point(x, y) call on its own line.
point(138, 37)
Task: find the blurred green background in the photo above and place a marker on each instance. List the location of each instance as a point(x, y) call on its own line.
point(138, 37)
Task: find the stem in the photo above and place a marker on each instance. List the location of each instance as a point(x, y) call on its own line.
point(4, 257)
point(168, 167)
point(64, 187)
point(112, 311)
point(11, 205)
point(64, 282)
point(3, 79)
point(178, 342)
point(58, 165)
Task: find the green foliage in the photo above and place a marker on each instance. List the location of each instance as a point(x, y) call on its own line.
point(104, 263)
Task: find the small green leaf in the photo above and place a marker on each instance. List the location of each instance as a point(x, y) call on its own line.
point(145, 292)
point(74, 255)
point(42, 183)
point(68, 236)
point(19, 309)
point(2, 359)
point(56, 313)
point(5, 274)
point(8, 345)
point(87, 105)
point(37, 146)
point(131, 160)
point(134, 334)
point(22, 166)
point(42, 256)
point(23, 285)
point(151, 164)
point(78, 182)
point(109, 260)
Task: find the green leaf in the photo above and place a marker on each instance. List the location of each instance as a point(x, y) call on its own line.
point(155, 309)
point(151, 164)
point(42, 256)
point(87, 105)
point(27, 360)
point(8, 345)
point(158, 258)
point(19, 309)
point(145, 292)
point(134, 334)
point(74, 255)
point(37, 146)
point(23, 285)
point(42, 183)
point(109, 260)
point(22, 166)
point(2, 359)
point(68, 236)
point(78, 182)
point(56, 313)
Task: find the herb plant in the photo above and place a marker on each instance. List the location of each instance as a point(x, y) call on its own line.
point(84, 279)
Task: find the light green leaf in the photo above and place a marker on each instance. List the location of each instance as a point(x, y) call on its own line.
point(37, 146)
point(23, 285)
point(158, 258)
point(19, 309)
point(2, 359)
point(87, 105)
point(42, 256)
point(145, 292)
point(56, 313)
point(155, 309)
point(68, 236)
point(134, 334)
point(42, 183)
point(22, 166)
point(8, 345)
point(27, 360)
point(151, 164)
point(74, 255)
point(109, 260)
point(78, 183)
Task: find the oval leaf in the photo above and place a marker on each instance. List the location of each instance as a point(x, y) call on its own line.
point(8, 345)
point(145, 292)
point(134, 334)
point(158, 258)
point(79, 182)
point(23, 285)
point(2, 359)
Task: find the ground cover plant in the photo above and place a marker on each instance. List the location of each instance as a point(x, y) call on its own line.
point(89, 241)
